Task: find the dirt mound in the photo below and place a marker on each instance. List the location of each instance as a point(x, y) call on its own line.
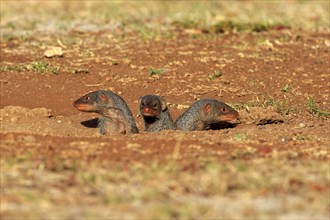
point(261, 116)
point(40, 121)
point(16, 113)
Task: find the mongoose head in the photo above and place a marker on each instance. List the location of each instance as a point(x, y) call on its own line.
point(93, 102)
point(151, 105)
point(216, 111)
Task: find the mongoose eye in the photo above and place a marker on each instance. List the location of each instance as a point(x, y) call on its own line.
point(223, 109)
point(154, 105)
point(87, 98)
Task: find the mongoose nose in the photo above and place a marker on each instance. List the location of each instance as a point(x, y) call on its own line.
point(74, 103)
point(147, 111)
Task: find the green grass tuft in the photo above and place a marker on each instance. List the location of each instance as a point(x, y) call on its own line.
point(44, 67)
point(239, 137)
point(314, 109)
point(214, 75)
point(286, 88)
point(154, 71)
point(15, 68)
point(301, 137)
point(280, 105)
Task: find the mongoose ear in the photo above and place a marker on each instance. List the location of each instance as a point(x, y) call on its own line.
point(139, 101)
point(104, 98)
point(207, 107)
point(163, 102)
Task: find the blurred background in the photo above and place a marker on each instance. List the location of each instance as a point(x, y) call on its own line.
point(21, 18)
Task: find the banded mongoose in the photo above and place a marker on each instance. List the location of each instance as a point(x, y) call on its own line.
point(116, 115)
point(113, 121)
point(203, 113)
point(155, 114)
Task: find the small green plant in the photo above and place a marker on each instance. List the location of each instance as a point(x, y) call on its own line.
point(39, 66)
point(301, 137)
point(53, 69)
point(280, 106)
point(314, 109)
point(16, 68)
point(241, 106)
point(270, 102)
point(239, 137)
point(286, 88)
point(216, 74)
point(154, 71)
point(43, 67)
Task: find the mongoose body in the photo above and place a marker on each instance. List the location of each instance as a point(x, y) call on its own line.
point(113, 121)
point(203, 113)
point(155, 114)
point(116, 115)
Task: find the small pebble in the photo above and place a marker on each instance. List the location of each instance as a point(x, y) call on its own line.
point(260, 127)
point(14, 119)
